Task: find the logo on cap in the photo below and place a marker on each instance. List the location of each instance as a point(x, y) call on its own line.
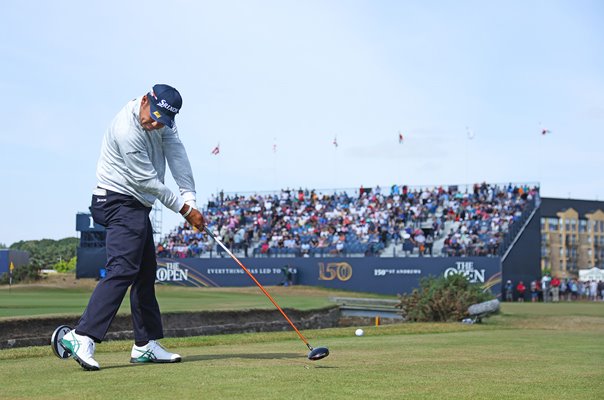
point(164, 104)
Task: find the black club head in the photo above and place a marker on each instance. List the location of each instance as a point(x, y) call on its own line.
point(318, 353)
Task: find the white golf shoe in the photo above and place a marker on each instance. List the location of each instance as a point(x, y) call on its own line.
point(81, 349)
point(153, 352)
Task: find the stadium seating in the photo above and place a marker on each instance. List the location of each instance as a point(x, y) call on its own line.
point(429, 221)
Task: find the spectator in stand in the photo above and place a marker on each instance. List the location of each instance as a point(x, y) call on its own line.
point(420, 240)
point(238, 239)
point(408, 245)
point(370, 221)
point(429, 244)
point(555, 289)
point(520, 289)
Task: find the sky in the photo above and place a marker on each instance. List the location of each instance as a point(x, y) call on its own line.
point(469, 84)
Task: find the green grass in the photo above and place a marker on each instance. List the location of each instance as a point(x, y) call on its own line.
point(29, 301)
point(529, 351)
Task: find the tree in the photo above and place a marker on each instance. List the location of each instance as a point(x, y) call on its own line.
point(44, 254)
point(47, 253)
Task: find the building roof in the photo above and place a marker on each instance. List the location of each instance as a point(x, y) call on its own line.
point(551, 206)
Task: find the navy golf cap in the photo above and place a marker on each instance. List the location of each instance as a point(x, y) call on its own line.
point(165, 103)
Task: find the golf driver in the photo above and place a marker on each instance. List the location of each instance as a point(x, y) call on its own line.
point(315, 353)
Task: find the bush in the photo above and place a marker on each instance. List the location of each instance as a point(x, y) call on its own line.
point(441, 299)
point(66, 266)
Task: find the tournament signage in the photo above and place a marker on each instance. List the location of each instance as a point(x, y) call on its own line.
point(171, 272)
point(466, 268)
point(85, 223)
point(375, 275)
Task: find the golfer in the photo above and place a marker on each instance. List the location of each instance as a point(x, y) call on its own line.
point(130, 173)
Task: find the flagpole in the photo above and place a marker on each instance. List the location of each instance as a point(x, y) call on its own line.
point(469, 137)
point(335, 155)
point(400, 159)
point(466, 151)
point(216, 152)
point(275, 164)
point(10, 276)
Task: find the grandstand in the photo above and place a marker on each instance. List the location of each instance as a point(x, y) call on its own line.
point(364, 239)
point(443, 221)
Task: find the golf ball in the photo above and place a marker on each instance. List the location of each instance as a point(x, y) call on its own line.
point(359, 332)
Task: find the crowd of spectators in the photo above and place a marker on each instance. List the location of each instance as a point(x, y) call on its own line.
point(484, 217)
point(554, 289)
point(307, 223)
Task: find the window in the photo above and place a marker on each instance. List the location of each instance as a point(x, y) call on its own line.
point(553, 224)
point(572, 253)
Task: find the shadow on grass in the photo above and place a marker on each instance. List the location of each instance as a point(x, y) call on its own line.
point(257, 356)
point(207, 357)
point(253, 356)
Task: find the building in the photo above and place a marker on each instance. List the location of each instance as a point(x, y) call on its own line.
point(572, 236)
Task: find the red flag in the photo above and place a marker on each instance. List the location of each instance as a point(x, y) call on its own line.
point(400, 138)
point(216, 149)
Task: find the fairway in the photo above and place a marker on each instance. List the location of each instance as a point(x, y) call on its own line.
point(529, 351)
point(70, 298)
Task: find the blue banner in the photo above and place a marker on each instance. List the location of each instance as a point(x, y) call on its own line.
point(371, 274)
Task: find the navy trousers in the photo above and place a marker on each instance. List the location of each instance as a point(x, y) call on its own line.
point(131, 263)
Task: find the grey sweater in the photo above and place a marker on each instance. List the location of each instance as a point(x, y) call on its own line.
point(133, 161)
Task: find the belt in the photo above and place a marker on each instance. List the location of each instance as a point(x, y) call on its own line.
point(99, 191)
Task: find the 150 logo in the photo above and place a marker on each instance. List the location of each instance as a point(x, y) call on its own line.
point(335, 270)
